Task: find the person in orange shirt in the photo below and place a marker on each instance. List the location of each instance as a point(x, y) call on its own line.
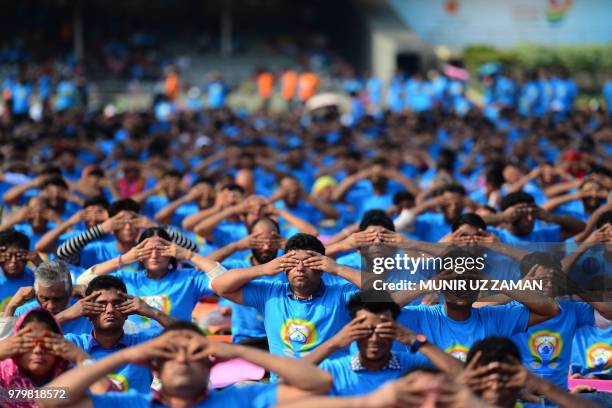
point(172, 84)
point(288, 80)
point(307, 85)
point(265, 84)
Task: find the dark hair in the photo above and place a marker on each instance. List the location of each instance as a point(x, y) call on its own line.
point(54, 181)
point(470, 219)
point(264, 219)
point(495, 176)
point(376, 217)
point(98, 200)
point(304, 242)
point(402, 196)
point(183, 325)
point(125, 204)
point(203, 180)
point(538, 258)
point(382, 161)
point(372, 301)
point(51, 171)
point(605, 218)
point(518, 197)
point(105, 282)
point(488, 207)
point(494, 349)
point(11, 237)
point(163, 234)
point(96, 172)
point(597, 169)
point(44, 317)
point(173, 173)
point(451, 188)
point(233, 187)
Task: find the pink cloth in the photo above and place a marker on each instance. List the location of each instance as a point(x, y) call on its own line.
point(600, 385)
point(234, 370)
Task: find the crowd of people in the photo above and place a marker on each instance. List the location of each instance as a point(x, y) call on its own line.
point(119, 229)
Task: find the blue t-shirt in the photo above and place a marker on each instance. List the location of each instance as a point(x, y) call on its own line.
point(457, 336)
point(176, 294)
point(245, 396)
point(351, 378)
point(153, 204)
point(546, 348)
point(431, 227)
point(295, 327)
point(247, 322)
point(82, 325)
point(592, 352)
point(128, 376)
point(8, 287)
point(227, 232)
point(547, 233)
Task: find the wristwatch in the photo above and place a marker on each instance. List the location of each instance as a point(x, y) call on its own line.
point(419, 340)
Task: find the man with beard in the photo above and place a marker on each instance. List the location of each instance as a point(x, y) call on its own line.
point(582, 204)
point(518, 217)
point(302, 313)
point(113, 306)
point(456, 324)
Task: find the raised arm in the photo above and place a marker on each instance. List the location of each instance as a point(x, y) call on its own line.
point(229, 285)
point(13, 195)
point(345, 185)
point(47, 242)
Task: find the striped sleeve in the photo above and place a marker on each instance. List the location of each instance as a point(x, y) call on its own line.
point(181, 240)
point(71, 249)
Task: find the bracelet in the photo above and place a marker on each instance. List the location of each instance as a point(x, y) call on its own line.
point(120, 262)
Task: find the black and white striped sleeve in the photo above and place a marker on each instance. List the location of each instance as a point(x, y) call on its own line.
point(71, 249)
point(181, 240)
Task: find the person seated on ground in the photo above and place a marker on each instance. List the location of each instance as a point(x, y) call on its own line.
point(108, 306)
point(517, 222)
point(53, 291)
point(200, 197)
point(303, 312)
point(94, 211)
point(182, 358)
point(162, 280)
point(494, 372)
point(374, 329)
point(36, 354)
point(14, 255)
point(88, 248)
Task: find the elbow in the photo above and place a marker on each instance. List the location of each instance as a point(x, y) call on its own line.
point(217, 288)
point(324, 382)
point(186, 225)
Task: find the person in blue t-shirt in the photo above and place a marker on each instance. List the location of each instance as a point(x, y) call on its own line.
point(52, 290)
point(304, 312)
point(519, 215)
point(592, 353)
point(384, 181)
point(113, 306)
point(456, 324)
point(190, 208)
point(581, 204)
point(162, 282)
point(167, 189)
point(89, 248)
point(14, 255)
point(33, 220)
point(264, 241)
point(374, 329)
point(93, 212)
point(182, 358)
point(432, 226)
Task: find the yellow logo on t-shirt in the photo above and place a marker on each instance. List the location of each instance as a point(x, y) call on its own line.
point(459, 351)
point(299, 335)
point(545, 346)
point(599, 356)
point(159, 302)
point(4, 303)
point(120, 382)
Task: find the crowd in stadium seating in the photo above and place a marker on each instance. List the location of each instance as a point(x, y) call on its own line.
point(128, 240)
